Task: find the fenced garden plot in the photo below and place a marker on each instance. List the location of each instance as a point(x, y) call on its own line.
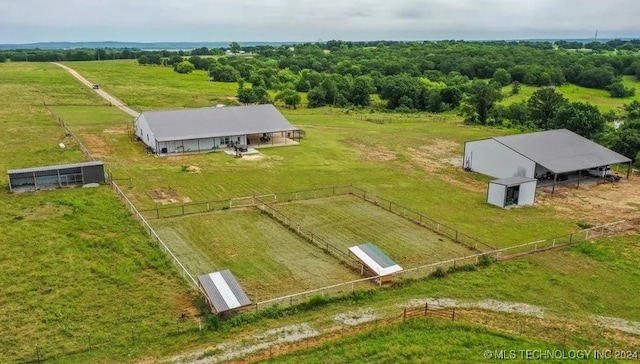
point(267, 259)
point(345, 221)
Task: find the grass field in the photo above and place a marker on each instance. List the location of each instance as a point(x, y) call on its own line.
point(575, 93)
point(76, 264)
point(267, 259)
point(416, 341)
point(346, 221)
point(140, 86)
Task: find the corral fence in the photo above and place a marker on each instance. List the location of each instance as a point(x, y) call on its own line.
point(160, 212)
point(308, 235)
point(69, 133)
point(424, 221)
point(564, 240)
point(183, 271)
point(261, 200)
point(462, 263)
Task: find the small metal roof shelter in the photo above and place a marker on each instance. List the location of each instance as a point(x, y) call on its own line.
point(513, 181)
point(377, 261)
point(505, 192)
point(210, 122)
point(55, 167)
point(222, 291)
point(56, 176)
point(561, 151)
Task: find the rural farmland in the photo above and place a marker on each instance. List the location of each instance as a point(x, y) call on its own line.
point(86, 283)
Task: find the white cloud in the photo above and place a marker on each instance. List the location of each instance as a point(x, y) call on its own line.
point(244, 20)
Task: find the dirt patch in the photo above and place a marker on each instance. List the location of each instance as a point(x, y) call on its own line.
point(192, 169)
point(96, 145)
point(436, 155)
point(490, 305)
point(227, 351)
point(632, 327)
point(465, 183)
point(358, 317)
point(166, 195)
point(253, 157)
point(116, 130)
point(378, 155)
point(47, 211)
point(595, 204)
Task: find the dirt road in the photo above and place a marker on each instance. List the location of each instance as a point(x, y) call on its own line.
point(112, 100)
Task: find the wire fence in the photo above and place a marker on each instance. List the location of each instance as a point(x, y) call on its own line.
point(423, 220)
point(160, 212)
point(61, 122)
point(183, 271)
point(308, 235)
point(468, 262)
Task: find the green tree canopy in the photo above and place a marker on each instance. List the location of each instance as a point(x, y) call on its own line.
point(544, 105)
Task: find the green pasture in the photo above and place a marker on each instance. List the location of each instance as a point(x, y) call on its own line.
point(153, 87)
point(267, 259)
point(346, 221)
point(575, 93)
point(78, 266)
point(418, 341)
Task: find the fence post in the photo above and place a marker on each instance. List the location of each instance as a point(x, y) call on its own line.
point(37, 353)
point(570, 238)
point(426, 308)
point(404, 314)
point(457, 236)
point(453, 314)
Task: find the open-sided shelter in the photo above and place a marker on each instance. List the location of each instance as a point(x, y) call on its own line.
point(208, 129)
point(48, 177)
point(534, 155)
point(223, 292)
point(518, 191)
point(374, 259)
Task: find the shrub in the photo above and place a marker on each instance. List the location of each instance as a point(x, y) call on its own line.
point(439, 273)
point(486, 260)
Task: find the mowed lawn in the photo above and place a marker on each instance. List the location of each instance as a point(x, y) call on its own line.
point(346, 221)
point(267, 259)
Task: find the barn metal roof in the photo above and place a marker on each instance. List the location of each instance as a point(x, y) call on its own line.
point(210, 122)
point(513, 181)
point(55, 167)
point(375, 259)
point(561, 150)
point(223, 291)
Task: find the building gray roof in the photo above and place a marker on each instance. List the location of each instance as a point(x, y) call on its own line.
point(211, 122)
point(223, 291)
point(561, 150)
point(513, 181)
point(55, 167)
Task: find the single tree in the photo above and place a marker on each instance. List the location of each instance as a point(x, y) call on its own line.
point(502, 76)
point(581, 118)
point(544, 105)
point(481, 98)
point(184, 67)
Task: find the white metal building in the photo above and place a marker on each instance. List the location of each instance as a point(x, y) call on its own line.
point(534, 155)
point(518, 191)
point(211, 128)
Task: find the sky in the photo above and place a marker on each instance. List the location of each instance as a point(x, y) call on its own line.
point(27, 21)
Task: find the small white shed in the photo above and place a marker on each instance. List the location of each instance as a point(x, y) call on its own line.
point(519, 191)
